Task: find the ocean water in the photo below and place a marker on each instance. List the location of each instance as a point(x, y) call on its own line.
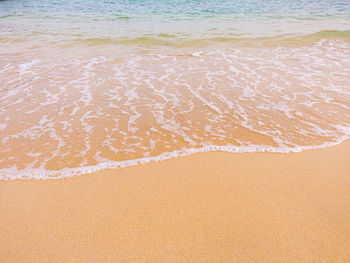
point(91, 85)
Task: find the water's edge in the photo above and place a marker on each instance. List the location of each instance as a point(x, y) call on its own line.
point(12, 174)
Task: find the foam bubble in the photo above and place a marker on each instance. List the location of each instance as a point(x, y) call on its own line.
point(14, 173)
point(73, 115)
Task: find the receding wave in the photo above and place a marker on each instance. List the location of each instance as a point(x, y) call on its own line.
point(9, 174)
point(72, 114)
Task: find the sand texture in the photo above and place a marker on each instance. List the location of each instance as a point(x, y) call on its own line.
point(206, 207)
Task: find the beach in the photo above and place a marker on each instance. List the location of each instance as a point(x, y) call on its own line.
point(175, 131)
point(205, 207)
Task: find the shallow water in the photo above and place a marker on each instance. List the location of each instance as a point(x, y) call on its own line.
point(92, 85)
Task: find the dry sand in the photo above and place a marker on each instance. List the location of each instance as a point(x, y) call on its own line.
point(206, 207)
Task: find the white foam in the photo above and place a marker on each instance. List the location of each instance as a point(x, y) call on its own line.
point(25, 67)
point(214, 96)
point(14, 173)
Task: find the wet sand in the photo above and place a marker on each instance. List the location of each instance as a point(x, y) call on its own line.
point(206, 207)
point(77, 110)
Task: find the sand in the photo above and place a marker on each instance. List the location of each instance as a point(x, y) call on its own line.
point(206, 207)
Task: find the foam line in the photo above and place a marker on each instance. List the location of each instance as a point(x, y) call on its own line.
point(13, 173)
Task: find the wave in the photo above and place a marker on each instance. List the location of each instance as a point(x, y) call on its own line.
point(177, 41)
point(10, 174)
point(180, 41)
point(105, 112)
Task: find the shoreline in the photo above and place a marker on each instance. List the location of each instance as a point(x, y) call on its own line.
point(213, 206)
point(115, 165)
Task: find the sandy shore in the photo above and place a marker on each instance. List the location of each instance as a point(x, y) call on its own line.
point(207, 207)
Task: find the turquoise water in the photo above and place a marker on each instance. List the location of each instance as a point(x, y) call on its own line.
point(166, 22)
